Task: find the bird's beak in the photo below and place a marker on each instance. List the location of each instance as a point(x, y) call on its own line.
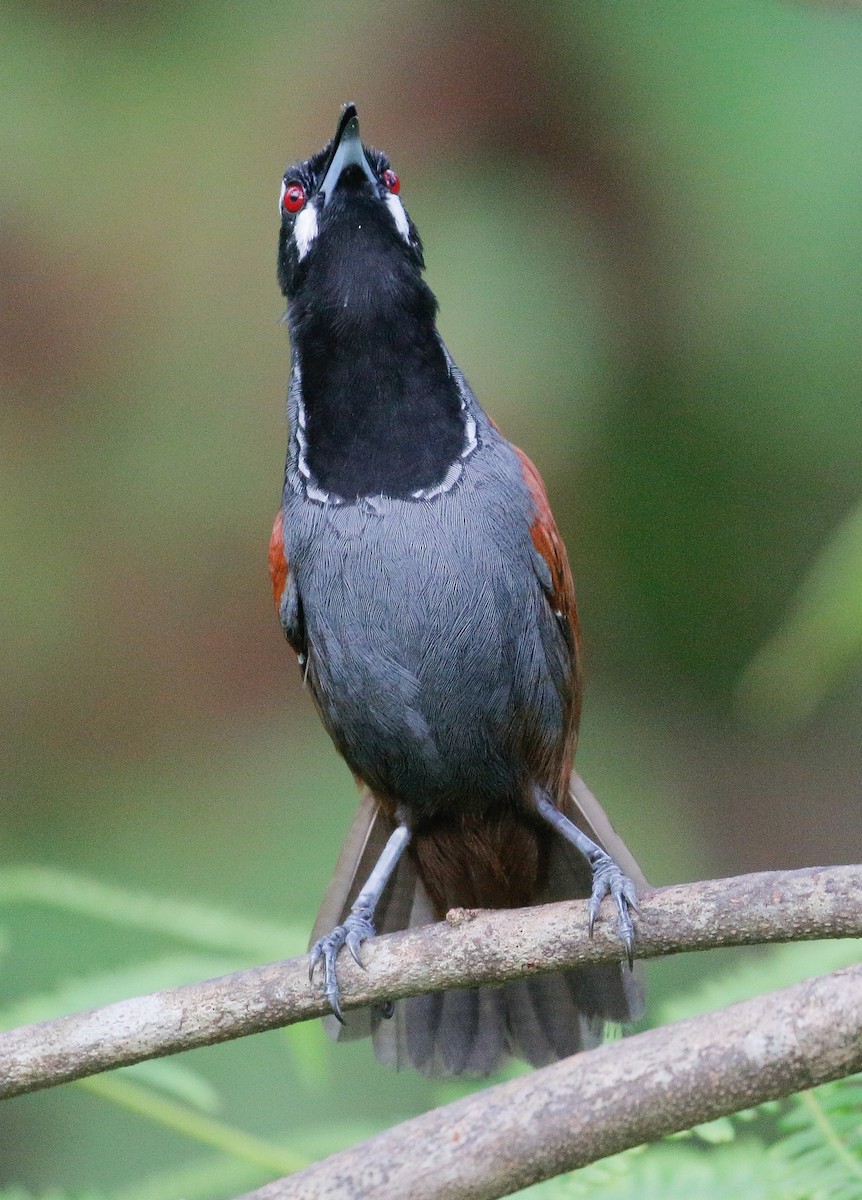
point(347, 151)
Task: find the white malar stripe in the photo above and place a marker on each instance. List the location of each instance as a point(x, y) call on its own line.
point(471, 441)
point(399, 216)
point(305, 230)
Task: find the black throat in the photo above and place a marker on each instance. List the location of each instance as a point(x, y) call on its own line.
point(383, 414)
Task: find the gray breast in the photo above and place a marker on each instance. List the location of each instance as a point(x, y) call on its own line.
point(430, 640)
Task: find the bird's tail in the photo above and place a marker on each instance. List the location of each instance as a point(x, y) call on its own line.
point(472, 1031)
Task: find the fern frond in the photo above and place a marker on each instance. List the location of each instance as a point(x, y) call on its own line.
point(675, 1171)
point(823, 1143)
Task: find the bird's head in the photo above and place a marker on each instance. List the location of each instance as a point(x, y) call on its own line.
point(345, 235)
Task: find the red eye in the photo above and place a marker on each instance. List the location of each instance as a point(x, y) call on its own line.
point(392, 182)
point(293, 198)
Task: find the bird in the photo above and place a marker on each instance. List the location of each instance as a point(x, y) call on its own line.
point(421, 580)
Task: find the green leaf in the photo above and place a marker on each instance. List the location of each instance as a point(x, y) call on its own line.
point(675, 1171)
point(307, 1047)
point(823, 1146)
point(715, 1133)
point(819, 639)
point(116, 1088)
point(177, 1080)
point(224, 1176)
point(197, 924)
point(213, 1178)
point(13, 1192)
point(764, 971)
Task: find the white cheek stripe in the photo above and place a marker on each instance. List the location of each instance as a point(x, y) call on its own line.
point(399, 216)
point(306, 227)
point(305, 230)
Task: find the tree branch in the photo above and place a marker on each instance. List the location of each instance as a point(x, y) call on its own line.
point(469, 948)
point(606, 1100)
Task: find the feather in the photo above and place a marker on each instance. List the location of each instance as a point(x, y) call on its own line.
point(474, 1031)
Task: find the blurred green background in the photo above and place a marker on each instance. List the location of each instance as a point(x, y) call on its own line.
point(643, 223)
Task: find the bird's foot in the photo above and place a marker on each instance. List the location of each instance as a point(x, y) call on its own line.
point(608, 880)
point(356, 928)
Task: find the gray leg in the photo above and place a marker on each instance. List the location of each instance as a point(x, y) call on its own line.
point(359, 923)
point(608, 879)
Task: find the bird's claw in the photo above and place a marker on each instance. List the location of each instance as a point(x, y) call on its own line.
point(608, 880)
point(356, 928)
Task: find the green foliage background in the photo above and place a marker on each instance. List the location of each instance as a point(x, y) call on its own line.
point(643, 225)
